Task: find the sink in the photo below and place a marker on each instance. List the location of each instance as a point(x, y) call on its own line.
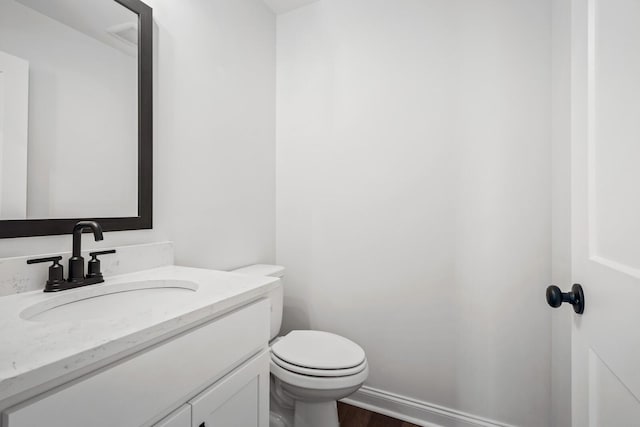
point(108, 300)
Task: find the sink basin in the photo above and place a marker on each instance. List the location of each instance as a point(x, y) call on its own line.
point(99, 302)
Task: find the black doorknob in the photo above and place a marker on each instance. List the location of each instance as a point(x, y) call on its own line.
point(555, 297)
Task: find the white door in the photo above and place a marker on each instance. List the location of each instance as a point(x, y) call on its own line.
point(606, 212)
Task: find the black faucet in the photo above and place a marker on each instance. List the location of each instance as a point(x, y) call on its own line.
point(76, 262)
point(77, 277)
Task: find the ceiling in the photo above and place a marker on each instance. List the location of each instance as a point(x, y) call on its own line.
point(284, 6)
point(105, 21)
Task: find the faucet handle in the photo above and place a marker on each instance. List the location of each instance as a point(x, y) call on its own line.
point(98, 253)
point(56, 272)
point(94, 263)
point(53, 259)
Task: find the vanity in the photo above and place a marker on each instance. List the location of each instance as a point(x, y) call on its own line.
point(171, 346)
point(154, 344)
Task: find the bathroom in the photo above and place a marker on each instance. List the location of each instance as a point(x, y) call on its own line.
point(421, 170)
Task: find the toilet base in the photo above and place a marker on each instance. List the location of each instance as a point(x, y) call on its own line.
point(276, 420)
point(316, 414)
point(324, 414)
point(293, 406)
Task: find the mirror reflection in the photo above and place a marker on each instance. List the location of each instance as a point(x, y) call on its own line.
point(68, 109)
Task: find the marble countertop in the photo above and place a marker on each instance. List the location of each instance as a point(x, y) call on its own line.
point(35, 352)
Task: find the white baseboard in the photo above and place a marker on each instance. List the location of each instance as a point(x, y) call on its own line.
point(414, 411)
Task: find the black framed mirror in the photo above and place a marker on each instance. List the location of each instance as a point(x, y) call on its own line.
point(76, 115)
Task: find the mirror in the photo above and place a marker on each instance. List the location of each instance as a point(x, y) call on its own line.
point(75, 115)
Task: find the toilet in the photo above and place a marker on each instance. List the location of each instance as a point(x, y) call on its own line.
point(310, 370)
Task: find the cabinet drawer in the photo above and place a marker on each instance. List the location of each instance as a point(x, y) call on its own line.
point(135, 391)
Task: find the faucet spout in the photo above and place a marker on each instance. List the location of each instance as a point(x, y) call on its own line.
point(77, 234)
point(76, 262)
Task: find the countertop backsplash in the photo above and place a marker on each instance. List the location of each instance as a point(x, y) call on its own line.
point(16, 276)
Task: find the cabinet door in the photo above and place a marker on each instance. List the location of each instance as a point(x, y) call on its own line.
point(241, 399)
point(179, 418)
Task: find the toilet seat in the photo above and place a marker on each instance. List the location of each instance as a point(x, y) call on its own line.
point(318, 350)
point(314, 372)
point(319, 383)
point(318, 360)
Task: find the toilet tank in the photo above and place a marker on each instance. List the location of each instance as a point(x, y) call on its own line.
point(275, 296)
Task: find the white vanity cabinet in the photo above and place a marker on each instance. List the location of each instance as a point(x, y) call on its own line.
point(216, 374)
point(241, 399)
point(179, 418)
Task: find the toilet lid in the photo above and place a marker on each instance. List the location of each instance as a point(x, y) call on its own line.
point(318, 350)
point(321, 373)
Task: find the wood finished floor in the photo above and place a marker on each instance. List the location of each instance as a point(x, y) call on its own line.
point(350, 416)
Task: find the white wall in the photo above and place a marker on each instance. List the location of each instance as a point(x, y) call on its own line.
point(413, 202)
point(215, 123)
point(214, 176)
